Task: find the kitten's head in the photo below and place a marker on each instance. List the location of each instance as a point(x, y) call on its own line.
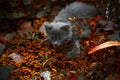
point(57, 32)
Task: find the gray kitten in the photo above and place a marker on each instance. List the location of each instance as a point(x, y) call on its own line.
point(60, 30)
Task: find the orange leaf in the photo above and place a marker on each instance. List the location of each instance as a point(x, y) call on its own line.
point(104, 45)
point(29, 50)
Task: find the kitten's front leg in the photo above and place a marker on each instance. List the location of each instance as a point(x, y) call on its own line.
point(75, 52)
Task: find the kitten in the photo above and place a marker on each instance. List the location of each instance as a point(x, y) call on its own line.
point(60, 30)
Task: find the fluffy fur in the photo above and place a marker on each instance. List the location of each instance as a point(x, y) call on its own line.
point(60, 29)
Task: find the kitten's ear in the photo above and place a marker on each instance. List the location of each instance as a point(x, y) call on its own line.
point(65, 28)
point(47, 26)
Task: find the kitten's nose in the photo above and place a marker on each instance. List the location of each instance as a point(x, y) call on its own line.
point(56, 43)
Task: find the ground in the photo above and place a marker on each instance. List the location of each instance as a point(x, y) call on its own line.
point(25, 56)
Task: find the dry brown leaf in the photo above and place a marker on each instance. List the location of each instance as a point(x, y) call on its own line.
point(104, 45)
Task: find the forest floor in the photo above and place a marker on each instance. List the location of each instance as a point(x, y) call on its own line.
point(23, 56)
point(29, 59)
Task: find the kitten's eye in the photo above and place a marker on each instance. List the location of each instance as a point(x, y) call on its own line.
point(59, 38)
point(53, 37)
point(65, 28)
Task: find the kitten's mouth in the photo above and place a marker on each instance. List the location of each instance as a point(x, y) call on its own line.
point(68, 41)
point(55, 46)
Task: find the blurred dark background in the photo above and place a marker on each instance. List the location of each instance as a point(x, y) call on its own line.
point(11, 11)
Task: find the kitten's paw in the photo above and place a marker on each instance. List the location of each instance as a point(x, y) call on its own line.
point(74, 54)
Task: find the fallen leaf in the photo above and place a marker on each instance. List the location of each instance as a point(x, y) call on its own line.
point(104, 45)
